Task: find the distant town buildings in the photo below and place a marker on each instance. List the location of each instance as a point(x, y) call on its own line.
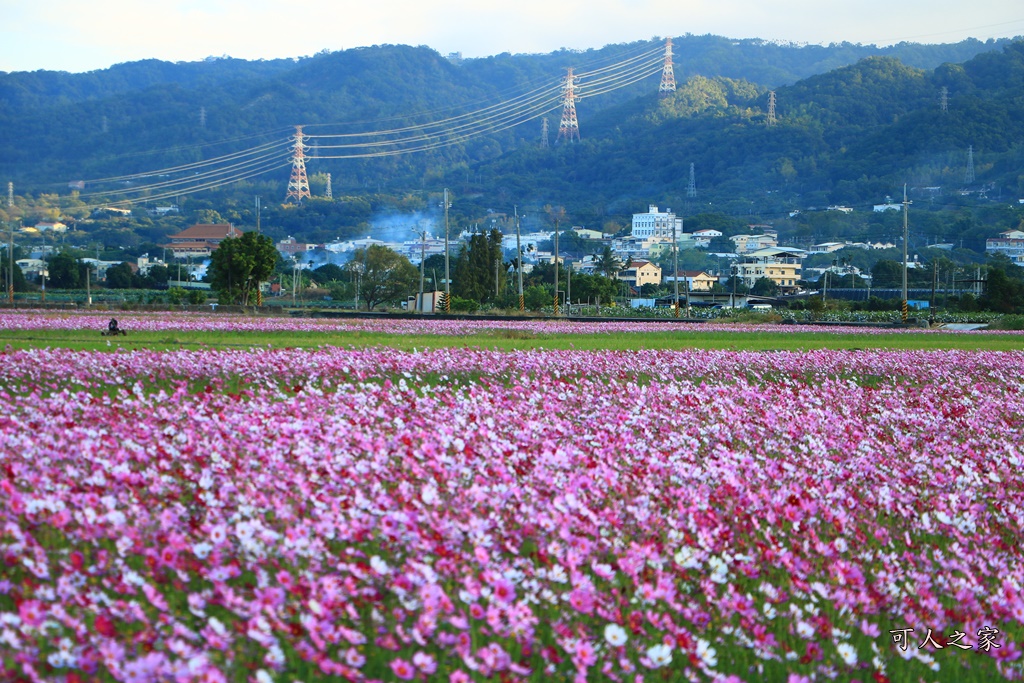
point(290, 247)
point(746, 244)
point(199, 241)
point(1009, 243)
point(50, 226)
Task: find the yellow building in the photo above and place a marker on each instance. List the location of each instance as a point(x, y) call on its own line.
point(695, 280)
point(640, 273)
point(780, 265)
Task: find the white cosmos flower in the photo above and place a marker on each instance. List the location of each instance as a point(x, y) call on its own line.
point(804, 630)
point(615, 635)
point(429, 494)
point(686, 558)
point(707, 654)
point(848, 653)
point(660, 655)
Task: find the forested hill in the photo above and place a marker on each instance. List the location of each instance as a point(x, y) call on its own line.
point(850, 136)
point(852, 120)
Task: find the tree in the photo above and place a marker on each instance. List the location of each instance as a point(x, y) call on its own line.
point(326, 273)
point(887, 274)
point(477, 266)
point(119, 276)
point(20, 284)
point(764, 287)
point(386, 277)
point(239, 265)
point(608, 264)
point(65, 272)
point(1002, 294)
point(593, 288)
point(155, 278)
point(537, 297)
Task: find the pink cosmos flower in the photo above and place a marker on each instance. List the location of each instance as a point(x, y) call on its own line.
point(403, 669)
point(504, 590)
point(424, 662)
point(582, 600)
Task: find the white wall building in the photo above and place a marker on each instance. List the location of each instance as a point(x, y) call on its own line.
point(1010, 242)
point(656, 223)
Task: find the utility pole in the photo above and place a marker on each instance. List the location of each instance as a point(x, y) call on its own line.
point(258, 231)
point(556, 265)
point(447, 273)
point(519, 262)
point(686, 293)
point(88, 289)
point(675, 265)
point(568, 290)
point(935, 283)
point(10, 245)
point(423, 261)
point(733, 271)
point(903, 311)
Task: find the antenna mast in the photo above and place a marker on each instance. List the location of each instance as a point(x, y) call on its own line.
point(668, 78)
point(298, 185)
point(569, 128)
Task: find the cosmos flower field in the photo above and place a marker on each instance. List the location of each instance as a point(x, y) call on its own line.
point(472, 515)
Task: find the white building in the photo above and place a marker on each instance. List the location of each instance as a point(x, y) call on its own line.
point(527, 241)
point(144, 263)
point(826, 247)
point(656, 223)
point(1010, 242)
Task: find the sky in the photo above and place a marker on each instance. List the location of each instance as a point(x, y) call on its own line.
point(77, 36)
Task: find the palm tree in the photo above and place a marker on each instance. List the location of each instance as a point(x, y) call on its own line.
point(608, 264)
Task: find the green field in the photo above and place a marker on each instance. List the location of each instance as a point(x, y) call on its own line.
point(516, 339)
